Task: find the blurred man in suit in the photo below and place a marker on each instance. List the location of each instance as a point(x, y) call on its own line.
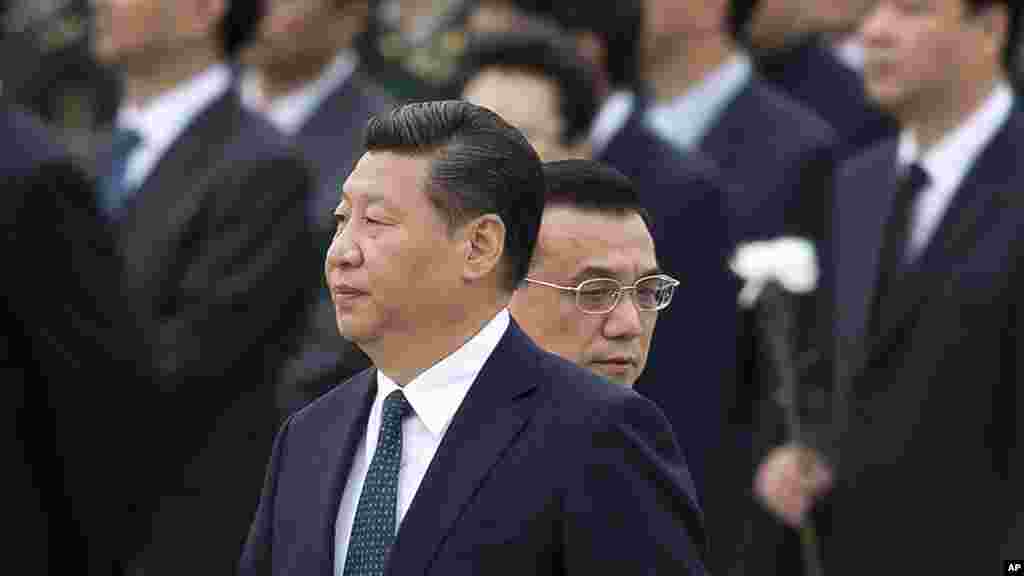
point(535, 82)
point(777, 156)
point(209, 208)
point(463, 408)
point(680, 191)
point(594, 288)
point(79, 464)
point(302, 73)
point(803, 48)
point(928, 315)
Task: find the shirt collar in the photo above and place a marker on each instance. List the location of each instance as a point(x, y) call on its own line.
point(163, 118)
point(436, 394)
point(948, 161)
point(686, 119)
point(850, 52)
point(612, 116)
point(290, 112)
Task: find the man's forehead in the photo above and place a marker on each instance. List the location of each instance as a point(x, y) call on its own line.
point(377, 174)
point(577, 240)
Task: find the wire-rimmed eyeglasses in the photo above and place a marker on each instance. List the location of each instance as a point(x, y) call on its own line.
point(602, 295)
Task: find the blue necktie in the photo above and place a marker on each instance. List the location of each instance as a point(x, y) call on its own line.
point(373, 529)
point(113, 189)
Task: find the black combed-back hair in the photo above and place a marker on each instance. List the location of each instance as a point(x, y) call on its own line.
point(1011, 51)
point(588, 185)
point(480, 165)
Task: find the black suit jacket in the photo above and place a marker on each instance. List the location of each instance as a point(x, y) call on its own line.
point(69, 361)
point(778, 159)
point(545, 469)
point(810, 73)
point(219, 260)
point(331, 141)
point(929, 446)
point(685, 198)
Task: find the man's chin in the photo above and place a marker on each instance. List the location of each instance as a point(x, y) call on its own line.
point(623, 376)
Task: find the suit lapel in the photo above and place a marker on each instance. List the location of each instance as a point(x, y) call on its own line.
point(158, 214)
point(862, 208)
point(732, 126)
point(958, 230)
point(349, 425)
point(494, 412)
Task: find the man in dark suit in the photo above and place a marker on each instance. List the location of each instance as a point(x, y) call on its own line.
point(70, 354)
point(922, 455)
point(777, 156)
point(302, 73)
point(595, 290)
point(799, 46)
point(519, 461)
point(541, 86)
point(208, 205)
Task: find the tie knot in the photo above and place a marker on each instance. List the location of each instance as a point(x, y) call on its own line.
point(125, 140)
point(396, 407)
point(914, 179)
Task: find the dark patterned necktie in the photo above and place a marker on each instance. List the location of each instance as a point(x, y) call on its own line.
point(113, 189)
point(373, 529)
point(895, 244)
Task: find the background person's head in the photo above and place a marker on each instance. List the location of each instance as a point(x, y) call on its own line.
point(297, 39)
point(536, 82)
point(593, 227)
point(436, 227)
point(774, 24)
point(931, 61)
point(146, 36)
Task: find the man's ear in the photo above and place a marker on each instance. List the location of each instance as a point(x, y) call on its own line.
point(994, 21)
point(592, 50)
point(485, 244)
point(203, 16)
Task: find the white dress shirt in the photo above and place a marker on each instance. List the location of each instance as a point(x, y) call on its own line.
point(948, 162)
point(161, 120)
point(687, 118)
point(850, 52)
point(290, 112)
point(610, 119)
point(435, 396)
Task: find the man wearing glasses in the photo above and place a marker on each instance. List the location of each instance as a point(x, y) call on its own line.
point(594, 289)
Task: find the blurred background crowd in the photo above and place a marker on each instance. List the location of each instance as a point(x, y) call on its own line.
point(234, 299)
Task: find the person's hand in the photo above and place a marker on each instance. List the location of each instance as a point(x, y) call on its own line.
point(789, 480)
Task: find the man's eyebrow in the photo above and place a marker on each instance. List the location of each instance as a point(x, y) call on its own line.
point(591, 272)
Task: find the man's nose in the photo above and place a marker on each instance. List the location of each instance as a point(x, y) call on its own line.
point(874, 24)
point(344, 250)
point(624, 320)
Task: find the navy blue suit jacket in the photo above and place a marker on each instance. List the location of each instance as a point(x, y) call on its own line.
point(76, 464)
point(778, 160)
point(220, 261)
point(545, 469)
point(810, 73)
point(694, 346)
point(928, 407)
